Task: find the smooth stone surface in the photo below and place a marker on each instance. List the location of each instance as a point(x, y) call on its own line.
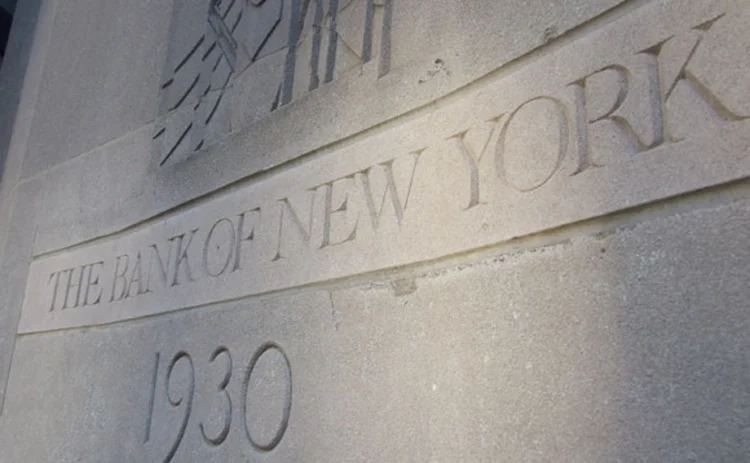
point(100, 78)
point(507, 160)
point(16, 256)
point(597, 348)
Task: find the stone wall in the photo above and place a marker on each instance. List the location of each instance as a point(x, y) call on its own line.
point(375, 230)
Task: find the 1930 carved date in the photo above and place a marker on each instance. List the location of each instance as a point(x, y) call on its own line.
point(182, 396)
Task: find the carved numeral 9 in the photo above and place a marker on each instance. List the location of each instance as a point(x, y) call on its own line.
point(176, 403)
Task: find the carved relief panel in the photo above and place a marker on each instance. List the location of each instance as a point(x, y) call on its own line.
point(231, 62)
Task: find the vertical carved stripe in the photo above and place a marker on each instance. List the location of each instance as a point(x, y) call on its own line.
point(315, 55)
point(333, 39)
point(295, 29)
point(384, 66)
point(367, 42)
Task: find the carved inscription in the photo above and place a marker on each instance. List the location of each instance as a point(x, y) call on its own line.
point(84, 283)
point(520, 155)
point(262, 433)
point(655, 74)
point(226, 245)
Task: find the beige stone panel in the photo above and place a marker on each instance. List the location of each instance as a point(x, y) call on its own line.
point(508, 159)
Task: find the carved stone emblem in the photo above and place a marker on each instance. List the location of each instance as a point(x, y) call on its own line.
point(310, 42)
